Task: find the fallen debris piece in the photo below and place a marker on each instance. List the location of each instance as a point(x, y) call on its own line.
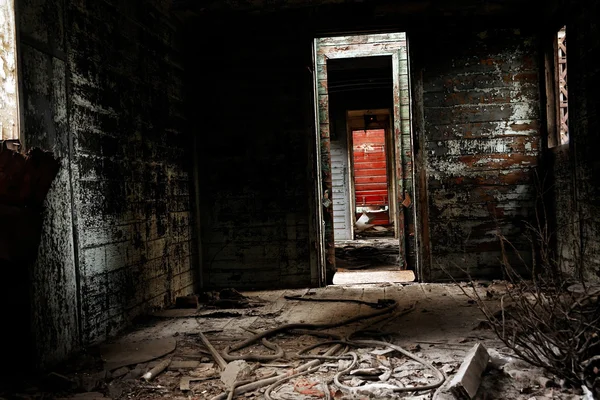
point(176, 365)
point(468, 378)
point(157, 370)
point(119, 355)
point(235, 371)
point(216, 355)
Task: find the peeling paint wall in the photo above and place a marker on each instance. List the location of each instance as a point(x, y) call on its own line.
point(342, 47)
point(131, 161)
point(9, 115)
point(103, 90)
point(53, 276)
point(481, 147)
point(563, 208)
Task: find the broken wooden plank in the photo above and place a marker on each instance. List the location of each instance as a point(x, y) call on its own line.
point(216, 355)
point(465, 383)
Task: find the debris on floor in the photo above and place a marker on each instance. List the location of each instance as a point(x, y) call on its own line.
point(366, 254)
point(379, 345)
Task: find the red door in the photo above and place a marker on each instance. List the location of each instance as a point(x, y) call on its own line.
point(370, 174)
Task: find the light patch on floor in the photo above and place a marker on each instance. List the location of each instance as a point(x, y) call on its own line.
point(360, 277)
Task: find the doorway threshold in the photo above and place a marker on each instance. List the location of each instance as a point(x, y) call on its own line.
point(360, 277)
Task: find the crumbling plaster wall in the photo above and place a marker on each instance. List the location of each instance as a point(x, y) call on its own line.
point(481, 144)
point(131, 161)
point(102, 87)
point(45, 125)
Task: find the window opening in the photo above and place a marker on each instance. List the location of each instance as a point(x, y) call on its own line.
point(563, 93)
point(9, 112)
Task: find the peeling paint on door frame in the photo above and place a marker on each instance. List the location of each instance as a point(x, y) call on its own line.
point(344, 47)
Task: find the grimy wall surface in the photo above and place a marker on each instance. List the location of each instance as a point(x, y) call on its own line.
point(255, 137)
point(481, 144)
point(102, 87)
point(576, 166)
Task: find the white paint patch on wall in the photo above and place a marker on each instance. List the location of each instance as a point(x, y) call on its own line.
point(9, 112)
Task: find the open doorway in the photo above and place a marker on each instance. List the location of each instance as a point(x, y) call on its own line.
point(366, 157)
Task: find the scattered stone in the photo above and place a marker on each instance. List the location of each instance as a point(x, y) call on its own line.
point(448, 369)
point(235, 371)
point(468, 378)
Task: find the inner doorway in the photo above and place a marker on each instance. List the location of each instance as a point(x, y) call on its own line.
point(366, 157)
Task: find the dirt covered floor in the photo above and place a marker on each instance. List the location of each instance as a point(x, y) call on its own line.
point(435, 323)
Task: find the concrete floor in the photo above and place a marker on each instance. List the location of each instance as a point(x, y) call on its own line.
point(443, 326)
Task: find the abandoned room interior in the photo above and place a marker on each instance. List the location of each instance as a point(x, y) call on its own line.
point(300, 199)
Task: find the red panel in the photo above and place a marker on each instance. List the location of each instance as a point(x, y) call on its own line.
point(370, 172)
point(371, 165)
point(375, 172)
